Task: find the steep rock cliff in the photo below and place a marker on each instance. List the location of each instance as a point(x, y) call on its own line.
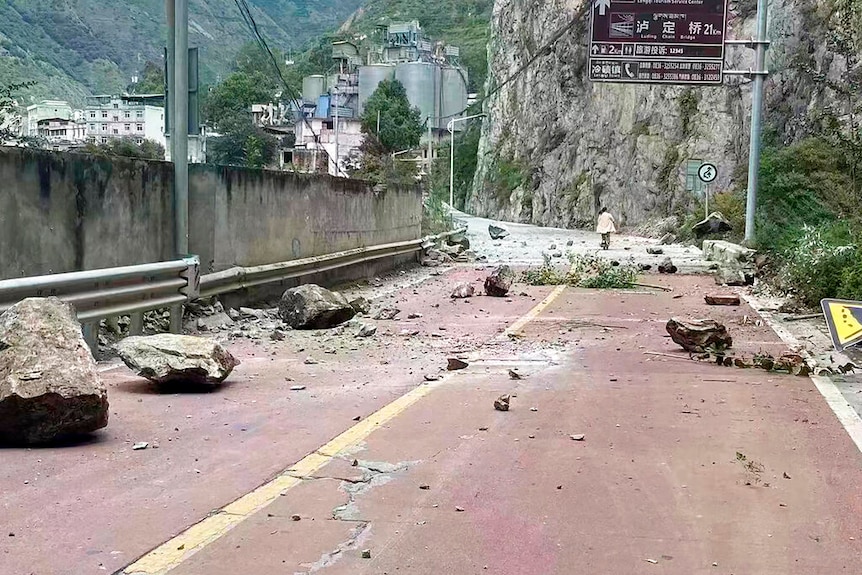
point(555, 147)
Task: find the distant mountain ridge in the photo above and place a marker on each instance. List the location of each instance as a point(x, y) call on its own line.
point(75, 47)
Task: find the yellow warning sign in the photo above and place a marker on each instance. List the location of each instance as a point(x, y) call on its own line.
point(845, 322)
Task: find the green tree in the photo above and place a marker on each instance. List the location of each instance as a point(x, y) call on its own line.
point(400, 125)
point(151, 81)
point(235, 96)
point(7, 110)
point(128, 148)
point(242, 144)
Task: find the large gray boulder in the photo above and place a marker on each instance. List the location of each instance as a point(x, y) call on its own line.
point(49, 385)
point(497, 232)
point(699, 335)
point(500, 281)
point(310, 306)
point(170, 358)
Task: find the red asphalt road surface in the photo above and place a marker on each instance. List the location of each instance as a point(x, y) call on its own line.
point(685, 467)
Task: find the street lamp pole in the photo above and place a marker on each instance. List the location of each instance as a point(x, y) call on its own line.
point(451, 128)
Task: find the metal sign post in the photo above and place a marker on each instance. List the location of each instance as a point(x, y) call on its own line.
point(633, 41)
point(707, 174)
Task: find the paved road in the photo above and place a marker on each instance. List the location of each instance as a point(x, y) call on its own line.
point(684, 468)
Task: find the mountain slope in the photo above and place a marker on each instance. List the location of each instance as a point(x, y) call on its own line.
point(72, 47)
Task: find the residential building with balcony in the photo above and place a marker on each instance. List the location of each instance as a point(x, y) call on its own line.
point(139, 117)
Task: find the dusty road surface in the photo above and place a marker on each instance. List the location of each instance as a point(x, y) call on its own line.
point(619, 454)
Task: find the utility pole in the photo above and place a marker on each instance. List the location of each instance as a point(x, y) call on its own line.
point(169, 71)
point(180, 125)
point(759, 74)
point(430, 148)
point(335, 97)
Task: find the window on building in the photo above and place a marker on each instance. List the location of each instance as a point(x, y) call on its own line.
point(92, 114)
point(127, 114)
point(104, 127)
point(692, 181)
point(139, 114)
point(116, 131)
point(140, 127)
point(116, 106)
point(104, 140)
point(127, 127)
point(104, 114)
point(92, 127)
point(139, 141)
point(116, 118)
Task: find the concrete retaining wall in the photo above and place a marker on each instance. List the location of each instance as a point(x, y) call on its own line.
point(66, 212)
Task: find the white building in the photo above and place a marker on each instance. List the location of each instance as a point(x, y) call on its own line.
point(62, 134)
point(46, 110)
point(137, 117)
point(312, 154)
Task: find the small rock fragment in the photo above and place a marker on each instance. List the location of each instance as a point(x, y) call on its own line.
point(310, 361)
point(425, 487)
point(367, 330)
point(433, 377)
point(297, 388)
point(366, 553)
point(534, 409)
point(497, 232)
point(578, 437)
point(414, 316)
point(295, 517)
point(454, 364)
point(667, 267)
point(653, 251)
point(463, 291)
point(361, 305)
point(515, 375)
point(502, 403)
point(140, 445)
point(387, 313)
point(696, 336)
point(459, 509)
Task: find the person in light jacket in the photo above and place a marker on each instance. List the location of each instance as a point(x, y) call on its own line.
point(606, 226)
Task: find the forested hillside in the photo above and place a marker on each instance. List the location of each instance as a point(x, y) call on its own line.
point(72, 47)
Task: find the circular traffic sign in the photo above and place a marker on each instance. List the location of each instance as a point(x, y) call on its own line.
point(707, 173)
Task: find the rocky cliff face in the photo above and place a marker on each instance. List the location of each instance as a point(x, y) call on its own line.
point(555, 147)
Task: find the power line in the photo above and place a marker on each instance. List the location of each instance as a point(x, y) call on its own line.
point(261, 42)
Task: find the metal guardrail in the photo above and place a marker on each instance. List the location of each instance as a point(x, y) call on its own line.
point(132, 290)
point(103, 293)
point(246, 277)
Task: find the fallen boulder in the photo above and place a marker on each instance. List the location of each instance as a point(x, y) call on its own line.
point(497, 232)
point(667, 267)
point(310, 306)
point(49, 384)
point(171, 358)
point(463, 291)
point(455, 364)
point(667, 239)
point(700, 335)
point(459, 239)
point(715, 223)
point(502, 402)
point(367, 330)
point(730, 300)
point(215, 322)
point(654, 251)
point(500, 281)
point(730, 276)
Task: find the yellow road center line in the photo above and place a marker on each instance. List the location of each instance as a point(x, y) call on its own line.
point(171, 554)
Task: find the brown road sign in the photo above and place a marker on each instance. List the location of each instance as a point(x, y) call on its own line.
point(658, 41)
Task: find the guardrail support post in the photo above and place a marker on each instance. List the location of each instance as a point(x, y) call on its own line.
point(136, 323)
point(91, 335)
point(176, 319)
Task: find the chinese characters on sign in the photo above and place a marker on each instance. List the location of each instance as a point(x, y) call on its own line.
point(658, 41)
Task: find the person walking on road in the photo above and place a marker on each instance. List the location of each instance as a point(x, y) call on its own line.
point(606, 226)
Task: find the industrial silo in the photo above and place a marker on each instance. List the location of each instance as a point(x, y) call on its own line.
point(313, 87)
point(421, 81)
point(454, 94)
point(369, 78)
